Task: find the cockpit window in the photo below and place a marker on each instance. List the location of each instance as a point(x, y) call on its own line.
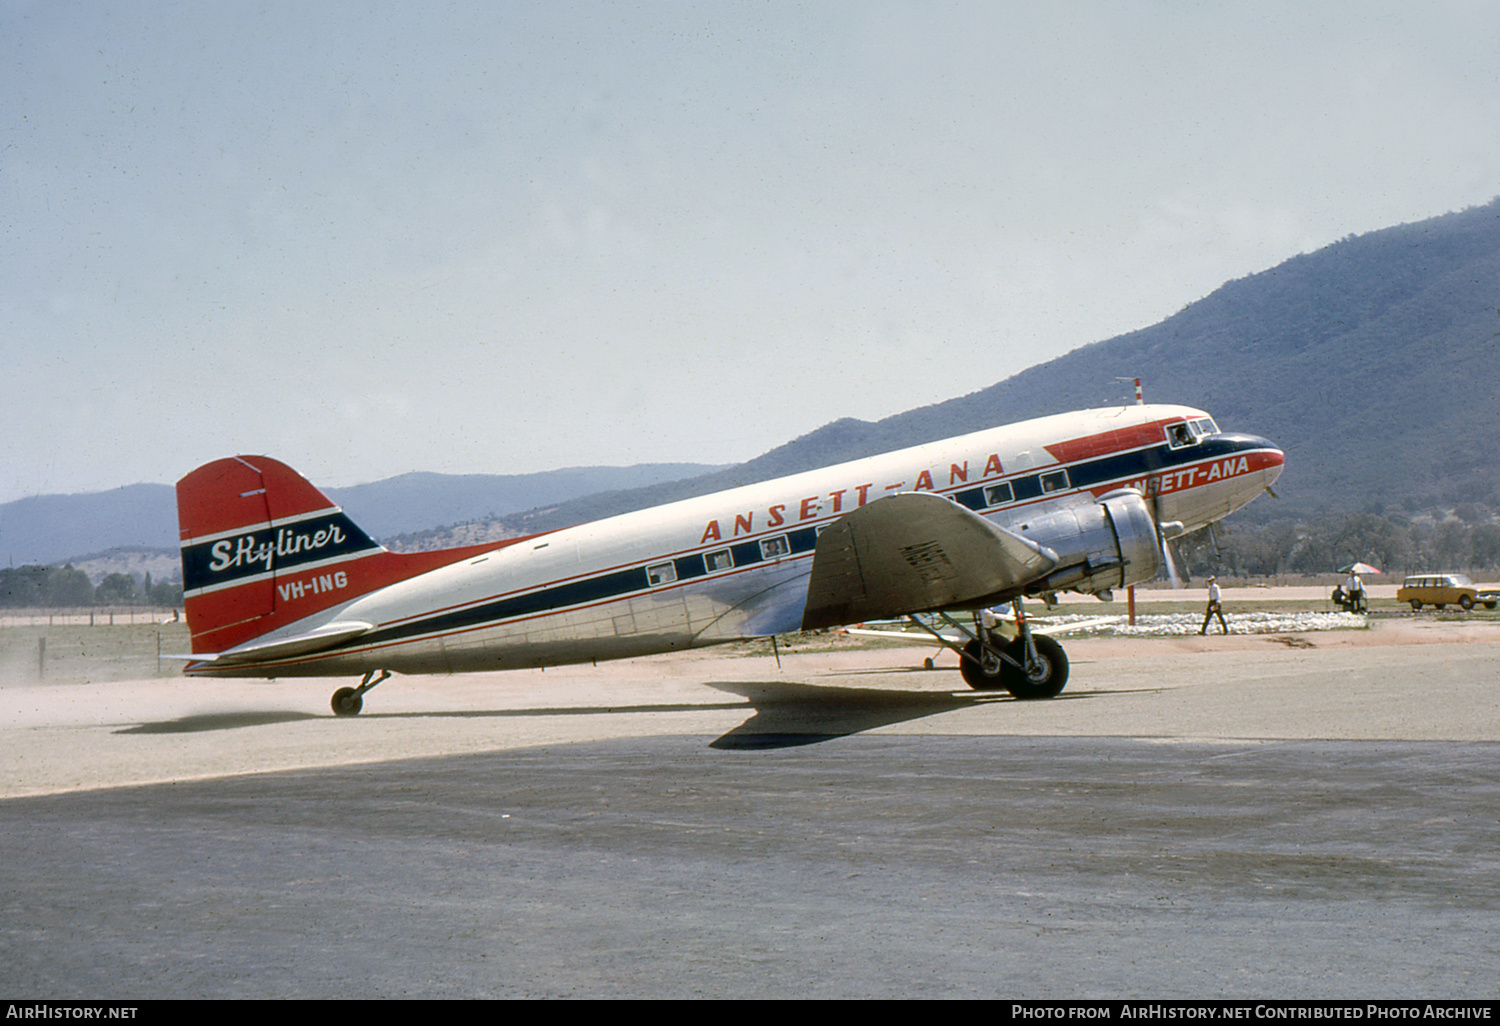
point(1205, 427)
point(1179, 435)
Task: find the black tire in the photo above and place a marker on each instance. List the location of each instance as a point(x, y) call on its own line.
point(1465, 603)
point(980, 670)
point(1047, 678)
point(347, 702)
point(1489, 605)
point(1416, 607)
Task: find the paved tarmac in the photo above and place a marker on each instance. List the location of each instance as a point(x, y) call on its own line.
point(1311, 816)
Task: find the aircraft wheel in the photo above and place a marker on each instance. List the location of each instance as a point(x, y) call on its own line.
point(1416, 607)
point(927, 663)
point(1466, 603)
point(1044, 679)
point(347, 702)
point(981, 670)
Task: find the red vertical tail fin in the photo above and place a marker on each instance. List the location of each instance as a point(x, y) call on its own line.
point(261, 547)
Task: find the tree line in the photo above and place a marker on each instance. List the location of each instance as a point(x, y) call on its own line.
point(57, 587)
point(1468, 541)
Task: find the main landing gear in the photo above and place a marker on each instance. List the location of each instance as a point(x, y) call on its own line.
point(1029, 666)
point(349, 701)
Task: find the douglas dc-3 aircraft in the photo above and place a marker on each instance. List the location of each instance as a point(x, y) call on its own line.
point(278, 582)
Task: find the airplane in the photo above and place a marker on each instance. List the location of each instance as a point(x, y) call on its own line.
point(279, 582)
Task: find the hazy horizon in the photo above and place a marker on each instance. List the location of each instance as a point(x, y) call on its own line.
point(505, 239)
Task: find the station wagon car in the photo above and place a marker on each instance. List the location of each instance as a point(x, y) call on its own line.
point(1446, 589)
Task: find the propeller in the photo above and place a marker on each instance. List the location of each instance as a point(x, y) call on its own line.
point(1165, 529)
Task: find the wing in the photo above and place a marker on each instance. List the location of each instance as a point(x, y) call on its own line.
point(912, 553)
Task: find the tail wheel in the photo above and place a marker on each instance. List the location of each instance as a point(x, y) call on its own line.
point(347, 702)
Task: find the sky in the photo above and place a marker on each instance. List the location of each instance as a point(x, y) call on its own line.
point(507, 237)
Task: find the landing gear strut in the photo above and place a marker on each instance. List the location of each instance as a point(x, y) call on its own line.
point(1030, 666)
point(349, 701)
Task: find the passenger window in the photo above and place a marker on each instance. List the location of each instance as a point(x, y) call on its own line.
point(719, 560)
point(999, 495)
point(661, 573)
point(1056, 481)
point(775, 548)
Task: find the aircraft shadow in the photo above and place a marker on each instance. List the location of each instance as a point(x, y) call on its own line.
point(786, 714)
point(217, 721)
point(230, 721)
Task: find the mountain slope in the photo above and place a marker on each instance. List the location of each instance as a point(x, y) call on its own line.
point(51, 528)
point(1375, 362)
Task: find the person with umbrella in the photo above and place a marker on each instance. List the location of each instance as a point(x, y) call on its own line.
point(1351, 594)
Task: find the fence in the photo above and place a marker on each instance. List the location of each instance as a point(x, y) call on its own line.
point(92, 616)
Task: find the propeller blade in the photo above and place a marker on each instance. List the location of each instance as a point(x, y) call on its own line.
point(1164, 529)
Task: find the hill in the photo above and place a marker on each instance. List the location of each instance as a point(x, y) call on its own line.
point(1375, 362)
point(52, 528)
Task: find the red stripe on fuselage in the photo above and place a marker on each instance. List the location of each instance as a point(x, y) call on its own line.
point(1108, 442)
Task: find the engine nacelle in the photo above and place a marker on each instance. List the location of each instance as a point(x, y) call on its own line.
point(1108, 544)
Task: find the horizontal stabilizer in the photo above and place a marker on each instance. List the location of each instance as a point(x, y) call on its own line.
point(912, 553)
point(322, 637)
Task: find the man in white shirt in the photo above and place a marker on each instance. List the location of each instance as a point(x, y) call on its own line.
point(1355, 590)
point(1214, 608)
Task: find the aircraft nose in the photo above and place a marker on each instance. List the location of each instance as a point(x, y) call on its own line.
point(1270, 447)
point(1266, 456)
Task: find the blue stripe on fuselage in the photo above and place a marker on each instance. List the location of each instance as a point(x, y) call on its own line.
point(590, 590)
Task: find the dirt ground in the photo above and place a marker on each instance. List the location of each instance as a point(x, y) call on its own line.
point(1403, 678)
